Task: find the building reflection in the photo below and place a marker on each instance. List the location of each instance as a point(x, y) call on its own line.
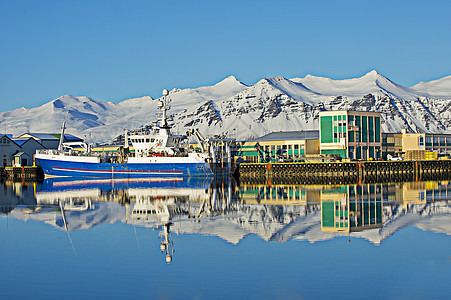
point(349, 208)
point(220, 207)
point(352, 208)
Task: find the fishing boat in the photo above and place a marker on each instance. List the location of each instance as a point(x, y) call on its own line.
point(158, 153)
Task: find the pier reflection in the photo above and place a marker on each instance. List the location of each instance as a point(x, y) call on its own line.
point(220, 207)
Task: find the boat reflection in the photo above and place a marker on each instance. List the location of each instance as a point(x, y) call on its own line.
point(220, 207)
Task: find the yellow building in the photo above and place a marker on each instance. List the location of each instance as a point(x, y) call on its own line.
point(415, 145)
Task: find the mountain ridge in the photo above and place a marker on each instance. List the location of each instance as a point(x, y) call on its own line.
point(230, 106)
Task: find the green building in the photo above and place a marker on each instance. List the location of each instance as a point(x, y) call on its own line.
point(278, 147)
point(351, 134)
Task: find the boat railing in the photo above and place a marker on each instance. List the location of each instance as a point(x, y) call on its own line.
point(64, 152)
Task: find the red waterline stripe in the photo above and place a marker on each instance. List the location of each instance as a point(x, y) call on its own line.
point(114, 171)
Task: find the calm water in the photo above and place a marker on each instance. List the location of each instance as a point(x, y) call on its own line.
point(204, 239)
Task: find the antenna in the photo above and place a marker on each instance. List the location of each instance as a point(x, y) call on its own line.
point(126, 138)
point(163, 106)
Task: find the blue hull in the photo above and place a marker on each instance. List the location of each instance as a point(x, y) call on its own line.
point(109, 170)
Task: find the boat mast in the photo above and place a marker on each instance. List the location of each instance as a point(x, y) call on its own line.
point(163, 106)
point(60, 145)
point(126, 138)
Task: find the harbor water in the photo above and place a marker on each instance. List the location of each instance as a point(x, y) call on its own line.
point(204, 238)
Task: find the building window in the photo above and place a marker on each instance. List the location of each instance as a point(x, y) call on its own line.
point(351, 153)
point(377, 129)
point(364, 129)
point(371, 129)
point(421, 141)
point(351, 121)
point(326, 129)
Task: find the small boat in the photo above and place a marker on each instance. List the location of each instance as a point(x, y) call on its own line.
point(158, 153)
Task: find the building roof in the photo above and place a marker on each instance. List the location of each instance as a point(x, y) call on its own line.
point(52, 136)
point(111, 146)
point(290, 135)
point(349, 111)
point(20, 154)
point(39, 136)
point(20, 142)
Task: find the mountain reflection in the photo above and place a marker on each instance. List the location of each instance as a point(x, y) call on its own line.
point(221, 208)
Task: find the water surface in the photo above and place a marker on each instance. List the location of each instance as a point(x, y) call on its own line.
point(201, 238)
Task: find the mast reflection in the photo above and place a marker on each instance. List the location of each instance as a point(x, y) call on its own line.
point(167, 244)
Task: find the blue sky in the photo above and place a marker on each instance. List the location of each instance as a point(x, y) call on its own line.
point(116, 50)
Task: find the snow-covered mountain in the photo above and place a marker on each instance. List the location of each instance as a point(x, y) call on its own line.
point(440, 88)
point(231, 107)
point(280, 104)
point(371, 83)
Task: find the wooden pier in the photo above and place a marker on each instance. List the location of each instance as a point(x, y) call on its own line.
point(345, 172)
point(29, 172)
